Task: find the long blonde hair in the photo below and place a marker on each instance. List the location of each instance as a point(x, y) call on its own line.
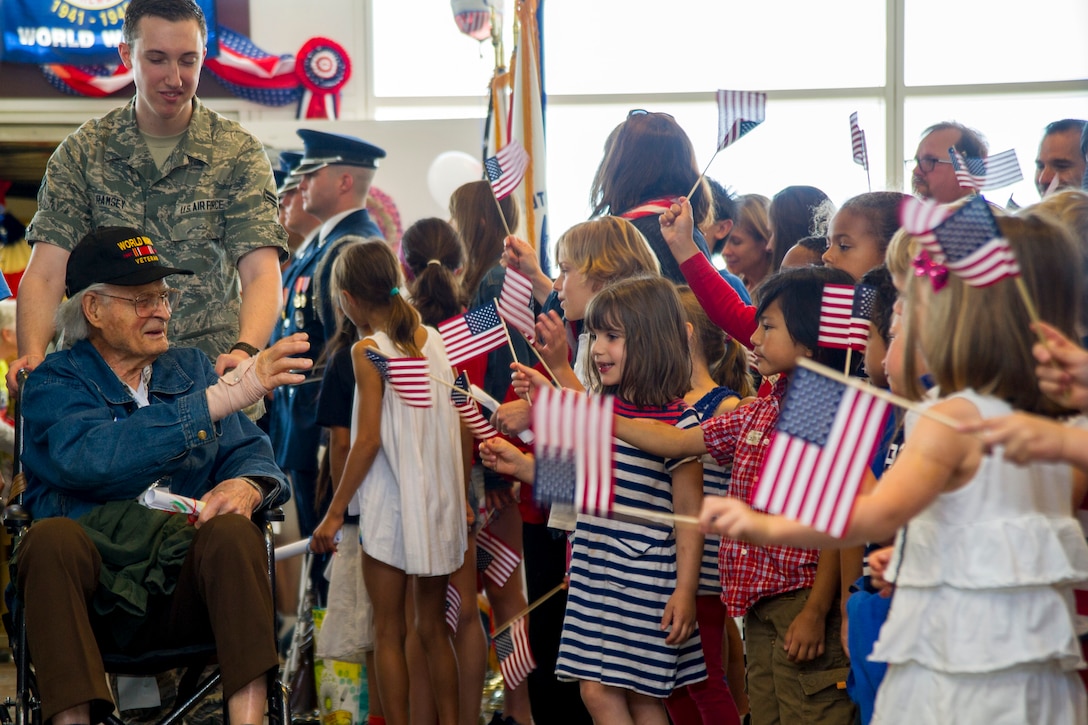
point(981, 337)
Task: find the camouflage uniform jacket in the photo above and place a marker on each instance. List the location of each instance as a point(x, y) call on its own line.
point(214, 202)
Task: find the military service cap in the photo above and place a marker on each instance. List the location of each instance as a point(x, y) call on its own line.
point(325, 149)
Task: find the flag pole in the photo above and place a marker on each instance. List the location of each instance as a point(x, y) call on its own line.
point(545, 364)
point(876, 392)
point(705, 169)
point(510, 342)
point(660, 517)
point(510, 623)
point(846, 370)
point(498, 206)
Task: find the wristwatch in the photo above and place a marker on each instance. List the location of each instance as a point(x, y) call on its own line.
point(246, 348)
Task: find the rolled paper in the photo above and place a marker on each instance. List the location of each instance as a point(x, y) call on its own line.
point(296, 548)
point(160, 500)
point(487, 401)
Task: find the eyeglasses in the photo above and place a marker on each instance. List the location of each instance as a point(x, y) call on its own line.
point(146, 305)
point(927, 163)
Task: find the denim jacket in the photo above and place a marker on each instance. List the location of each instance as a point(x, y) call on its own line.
point(87, 442)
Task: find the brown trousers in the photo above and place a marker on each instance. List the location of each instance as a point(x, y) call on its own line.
point(222, 592)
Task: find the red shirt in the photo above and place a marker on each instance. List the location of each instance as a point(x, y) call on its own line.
point(749, 572)
point(723, 305)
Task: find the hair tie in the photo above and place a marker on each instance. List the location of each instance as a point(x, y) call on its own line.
point(435, 261)
point(394, 292)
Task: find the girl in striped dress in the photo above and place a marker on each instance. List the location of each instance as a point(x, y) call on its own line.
point(629, 635)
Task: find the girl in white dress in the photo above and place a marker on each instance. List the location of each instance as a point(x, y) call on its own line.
point(981, 628)
point(404, 477)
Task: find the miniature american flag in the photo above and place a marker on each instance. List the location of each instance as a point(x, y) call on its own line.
point(476, 332)
point(515, 657)
point(506, 169)
point(821, 449)
point(573, 449)
point(857, 142)
point(453, 607)
point(921, 216)
point(738, 113)
point(835, 312)
point(861, 316)
point(972, 247)
point(408, 376)
point(469, 410)
point(494, 559)
point(516, 302)
point(992, 172)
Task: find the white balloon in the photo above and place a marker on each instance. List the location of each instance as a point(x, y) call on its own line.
point(449, 170)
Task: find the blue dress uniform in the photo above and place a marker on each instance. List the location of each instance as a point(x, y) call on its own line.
point(309, 307)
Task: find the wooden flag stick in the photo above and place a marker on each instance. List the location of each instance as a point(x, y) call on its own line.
point(510, 342)
point(705, 169)
point(498, 206)
point(660, 517)
point(892, 398)
point(545, 364)
point(555, 590)
point(849, 351)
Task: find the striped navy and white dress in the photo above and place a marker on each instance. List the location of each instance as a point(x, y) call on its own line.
point(715, 483)
point(622, 575)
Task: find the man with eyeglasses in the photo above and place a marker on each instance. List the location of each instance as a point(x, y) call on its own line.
point(933, 176)
point(114, 413)
point(199, 183)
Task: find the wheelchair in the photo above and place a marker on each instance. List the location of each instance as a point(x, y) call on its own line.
point(193, 687)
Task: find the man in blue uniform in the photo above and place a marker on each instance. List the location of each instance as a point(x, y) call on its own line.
point(334, 177)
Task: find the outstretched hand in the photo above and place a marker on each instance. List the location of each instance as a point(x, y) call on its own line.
point(678, 229)
point(277, 364)
point(1062, 369)
point(1025, 437)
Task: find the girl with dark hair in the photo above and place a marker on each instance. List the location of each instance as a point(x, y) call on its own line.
point(859, 232)
point(794, 214)
point(400, 457)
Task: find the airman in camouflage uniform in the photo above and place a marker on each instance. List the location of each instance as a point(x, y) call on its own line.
point(212, 204)
point(196, 181)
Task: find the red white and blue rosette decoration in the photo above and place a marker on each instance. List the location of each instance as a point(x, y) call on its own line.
point(323, 67)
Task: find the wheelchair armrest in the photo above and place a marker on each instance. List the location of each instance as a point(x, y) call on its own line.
point(269, 515)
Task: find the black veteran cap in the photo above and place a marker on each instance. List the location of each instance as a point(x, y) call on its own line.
point(289, 161)
point(324, 149)
point(114, 255)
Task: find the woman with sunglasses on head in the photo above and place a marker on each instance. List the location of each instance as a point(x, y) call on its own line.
point(648, 164)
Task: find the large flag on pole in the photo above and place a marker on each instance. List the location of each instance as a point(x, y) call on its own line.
point(821, 449)
point(527, 126)
point(738, 113)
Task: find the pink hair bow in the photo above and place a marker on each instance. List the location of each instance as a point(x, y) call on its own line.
point(925, 266)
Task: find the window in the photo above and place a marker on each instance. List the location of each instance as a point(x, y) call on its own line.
point(818, 61)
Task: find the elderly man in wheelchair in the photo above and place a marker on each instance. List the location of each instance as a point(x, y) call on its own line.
point(110, 416)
